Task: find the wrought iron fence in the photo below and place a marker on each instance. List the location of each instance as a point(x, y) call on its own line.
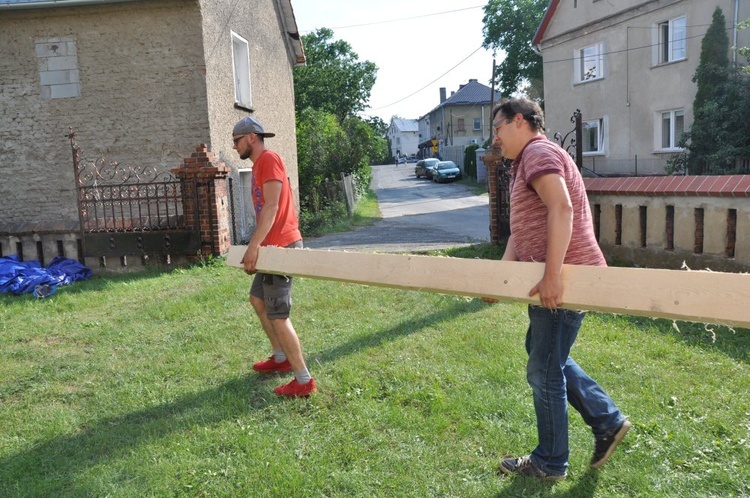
point(124, 209)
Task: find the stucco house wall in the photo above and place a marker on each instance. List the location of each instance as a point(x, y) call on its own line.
point(145, 82)
point(631, 89)
point(271, 74)
point(452, 121)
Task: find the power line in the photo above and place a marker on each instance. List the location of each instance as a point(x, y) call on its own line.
point(430, 83)
point(628, 49)
point(400, 19)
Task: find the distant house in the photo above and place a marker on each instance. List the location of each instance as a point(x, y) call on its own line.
point(628, 66)
point(142, 82)
point(403, 135)
point(461, 119)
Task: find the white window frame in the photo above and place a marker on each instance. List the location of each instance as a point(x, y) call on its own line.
point(601, 136)
point(243, 90)
point(477, 124)
point(672, 117)
point(671, 40)
point(588, 63)
point(246, 219)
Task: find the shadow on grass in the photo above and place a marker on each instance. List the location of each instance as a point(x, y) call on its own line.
point(51, 468)
point(582, 487)
point(734, 344)
point(403, 329)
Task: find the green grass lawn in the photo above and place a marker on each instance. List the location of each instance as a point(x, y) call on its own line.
point(140, 385)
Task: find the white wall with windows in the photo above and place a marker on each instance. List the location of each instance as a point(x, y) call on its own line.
point(628, 66)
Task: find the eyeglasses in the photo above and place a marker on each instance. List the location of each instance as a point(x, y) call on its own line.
point(499, 124)
point(237, 140)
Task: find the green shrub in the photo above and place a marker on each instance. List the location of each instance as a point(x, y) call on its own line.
point(470, 161)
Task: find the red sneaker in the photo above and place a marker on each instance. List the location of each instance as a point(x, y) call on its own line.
point(295, 389)
point(271, 365)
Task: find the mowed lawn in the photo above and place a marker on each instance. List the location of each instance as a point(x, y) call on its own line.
point(140, 385)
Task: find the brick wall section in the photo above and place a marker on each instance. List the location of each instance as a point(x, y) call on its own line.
point(209, 175)
point(493, 159)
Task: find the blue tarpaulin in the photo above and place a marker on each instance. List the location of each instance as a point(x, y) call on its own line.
point(20, 277)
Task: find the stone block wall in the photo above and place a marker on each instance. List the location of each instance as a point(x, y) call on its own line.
point(128, 77)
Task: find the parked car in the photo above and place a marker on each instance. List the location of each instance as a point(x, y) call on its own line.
point(401, 160)
point(446, 170)
point(424, 167)
point(412, 158)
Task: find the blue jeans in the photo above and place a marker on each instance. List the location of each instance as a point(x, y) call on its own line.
point(557, 380)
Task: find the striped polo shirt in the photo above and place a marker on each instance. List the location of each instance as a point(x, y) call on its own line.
point(528, 214)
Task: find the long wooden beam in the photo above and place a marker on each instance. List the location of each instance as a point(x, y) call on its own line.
point(694, 296)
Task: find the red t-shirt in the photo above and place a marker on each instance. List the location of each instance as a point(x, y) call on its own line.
point(528, 214)
point(285, 229)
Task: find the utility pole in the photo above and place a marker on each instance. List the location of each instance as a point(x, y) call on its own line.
point(492, 96)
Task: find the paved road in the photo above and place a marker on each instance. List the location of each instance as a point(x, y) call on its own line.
point(417, 215)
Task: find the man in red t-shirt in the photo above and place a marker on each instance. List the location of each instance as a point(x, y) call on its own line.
point(276, 224)
point(550, 223)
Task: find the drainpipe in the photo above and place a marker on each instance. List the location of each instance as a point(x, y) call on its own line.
point(734, 29)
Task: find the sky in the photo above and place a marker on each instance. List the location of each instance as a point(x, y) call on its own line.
point(418, 46)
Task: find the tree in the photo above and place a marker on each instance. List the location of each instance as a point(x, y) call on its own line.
point(744, 51)
point(510, 25)
point(331, 139)
point(720, 132)
point(334, 79)
point(379, 147)
point(713, 66)
point(378, 125)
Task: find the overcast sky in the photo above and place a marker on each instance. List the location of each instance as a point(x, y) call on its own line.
point(418, 46)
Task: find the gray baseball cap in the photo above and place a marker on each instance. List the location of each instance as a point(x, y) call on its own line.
point(250, 125)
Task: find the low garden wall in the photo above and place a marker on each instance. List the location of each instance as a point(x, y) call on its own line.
point(661, 222)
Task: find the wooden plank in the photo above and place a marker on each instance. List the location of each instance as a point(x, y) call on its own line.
point(694, 296)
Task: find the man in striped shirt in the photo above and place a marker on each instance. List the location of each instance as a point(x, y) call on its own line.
point(550, 222)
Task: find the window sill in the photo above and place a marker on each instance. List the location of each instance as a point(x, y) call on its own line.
point(594, 154)
point(240, 106)
point(668, 151)
point(590, 80)
point(668, 63)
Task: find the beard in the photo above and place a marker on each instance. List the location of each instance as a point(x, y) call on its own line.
point(248, 152)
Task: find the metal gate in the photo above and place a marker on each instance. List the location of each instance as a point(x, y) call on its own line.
point(125, 210)
point(503, 200)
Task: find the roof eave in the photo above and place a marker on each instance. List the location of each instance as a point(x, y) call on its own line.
point(57, 3)
point(289, 22)
point(541, 30)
